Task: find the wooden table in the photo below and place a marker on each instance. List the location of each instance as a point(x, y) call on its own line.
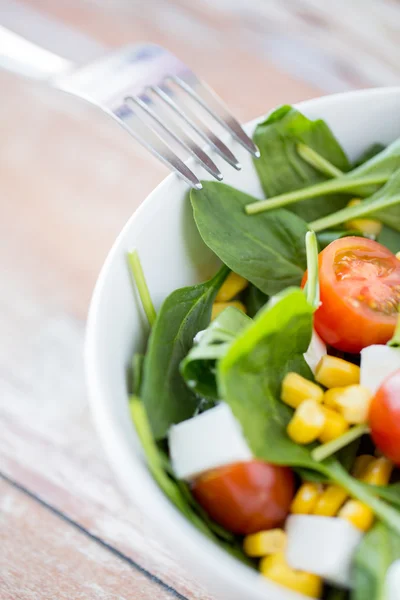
point(68, 182)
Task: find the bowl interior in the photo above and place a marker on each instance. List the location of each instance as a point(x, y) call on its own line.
point(173, 255)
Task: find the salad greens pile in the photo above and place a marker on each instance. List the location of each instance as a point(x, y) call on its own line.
point(242, 359)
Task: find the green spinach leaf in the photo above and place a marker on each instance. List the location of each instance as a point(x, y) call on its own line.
point(378, 549)
point(369, 153)
point(268, 251)
point(281, 168)
point(327, 237)
point(165, 395)
point(198, 368)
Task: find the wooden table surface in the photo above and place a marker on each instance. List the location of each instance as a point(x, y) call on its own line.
point(69, 180)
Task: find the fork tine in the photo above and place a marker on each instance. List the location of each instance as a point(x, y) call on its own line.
point(208, 136)
point(209, 100)
point(146, 104)
point(153, 142)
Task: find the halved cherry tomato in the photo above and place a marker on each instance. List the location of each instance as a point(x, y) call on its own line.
point(246, 497)
point(360, 293)
point(384, 418)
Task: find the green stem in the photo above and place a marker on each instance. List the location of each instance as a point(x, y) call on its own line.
point(339, 184)
point(138, 276)
point(395, 341)
point(318, 162)
point(326, 450)
point(356, 489)
point(312, 269)
point(353, 212)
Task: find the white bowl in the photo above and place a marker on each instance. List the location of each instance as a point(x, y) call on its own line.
point(173, 255)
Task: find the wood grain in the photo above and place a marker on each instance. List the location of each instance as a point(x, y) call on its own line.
point(69, 179)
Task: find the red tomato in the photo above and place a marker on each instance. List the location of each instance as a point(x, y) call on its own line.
point(246, 497)
point(384, 418)
point(360, 292)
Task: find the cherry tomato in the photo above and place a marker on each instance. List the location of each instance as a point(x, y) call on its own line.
point(384, 418)
point(246, 497)
point(360, 293)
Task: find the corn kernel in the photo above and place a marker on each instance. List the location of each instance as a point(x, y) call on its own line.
point(368, 227)
point(360, 465)
point(398, 255)
point(232, 286)
point(307, 422)
point(330, 501)
point(306, 498)
point(335, 425)
point(335, 372)
point(331, 395)
point(276, 568)
point(265, 542)
point(359, 514)
point(218, 307)
point(378, 472)
point(353, 403)
point(296, 389)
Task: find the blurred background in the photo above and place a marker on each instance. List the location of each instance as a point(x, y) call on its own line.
point(69, 179)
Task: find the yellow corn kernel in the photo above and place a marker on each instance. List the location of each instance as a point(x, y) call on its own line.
point(265, 542)
point(331, 395)
point(306, 498)
point(307, 422)
point(335, 372)
point(360, 465)
point(218, 307)
point(232, 286)
point(296, 389)
point(335, 425)
point(330, 501)
point(398, 255)
point(353, 403)
point(276, 568)
point(378, 472)
point(366, 226)
point(360, 515)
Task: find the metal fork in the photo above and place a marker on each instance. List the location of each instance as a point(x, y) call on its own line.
point(160, 102)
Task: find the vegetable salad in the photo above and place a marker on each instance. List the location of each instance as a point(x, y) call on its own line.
point(268, 400)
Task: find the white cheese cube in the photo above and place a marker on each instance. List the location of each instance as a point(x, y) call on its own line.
point(323, 546)
point(316, 350)
point(377, 363)
point(209, 440)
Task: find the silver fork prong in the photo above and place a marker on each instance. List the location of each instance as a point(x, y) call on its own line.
point(202, 130)
point(146, 104)
point(209, 100)
point(153, 142)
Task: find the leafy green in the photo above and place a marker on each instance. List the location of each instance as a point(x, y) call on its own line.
point(363, 181)
point(384, 205)
point(317, 161)
point(254, 300)
point(176, 491)
point(377, 550)
point(138, 276)
point(268, 251)
point(390, 238)
point(336, 594)
point(250, 374)
point(390, 493)
point(198, 368)
point(165, 395)
point(324, 450)
point(249, 378)
point(394, 342)
point(281, 168)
